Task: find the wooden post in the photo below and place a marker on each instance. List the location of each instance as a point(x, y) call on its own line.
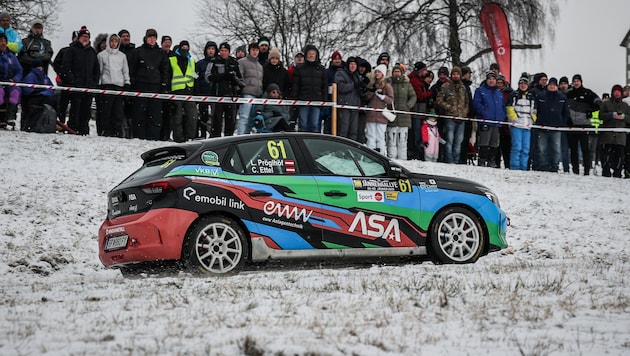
point(333, 111)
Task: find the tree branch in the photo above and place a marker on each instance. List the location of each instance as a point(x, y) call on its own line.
point(489, 50)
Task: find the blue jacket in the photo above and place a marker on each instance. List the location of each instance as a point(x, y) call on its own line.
point(37, 76)
point(553, 109)
point(488, 103)
point(10, 67)
point(14, 43)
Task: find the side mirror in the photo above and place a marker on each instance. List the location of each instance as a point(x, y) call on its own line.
point(395, 171)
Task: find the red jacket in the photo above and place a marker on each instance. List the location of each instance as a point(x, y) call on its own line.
point(422, 89)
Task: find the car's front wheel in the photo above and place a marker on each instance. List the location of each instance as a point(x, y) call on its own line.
point(457, 236)
point(216, 245)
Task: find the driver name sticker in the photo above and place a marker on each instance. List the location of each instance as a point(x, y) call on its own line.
point(210, 158)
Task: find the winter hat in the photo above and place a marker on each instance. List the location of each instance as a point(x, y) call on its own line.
point(381, 68)
point(553, 81)
point(523, 80)
point(578, 77)
point(491, 74)
point(212, 44)
point(263, 40)
point(418, 66)
point(3, 36)
point(443, 70)
point(457, 70)
point(336, 54)
point(37, 23)
point(184, 43)
point(564, 80)
point(151, 33)
point(273, 86)
point(365, 64)
point(225, 45)
point(616, 87)
point(398, 67)
point(299, 54)
point(274, 53)
point(241, 48)
point(122, 32)
point(4, 15)
point(466, 70)
point(75, 34)
point(253, 45)
point(167, 38)
point(84, 31)
point(382, 56)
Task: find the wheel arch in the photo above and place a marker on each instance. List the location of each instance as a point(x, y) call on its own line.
point(486, 234)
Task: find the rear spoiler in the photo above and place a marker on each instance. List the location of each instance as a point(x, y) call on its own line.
point(178, 152)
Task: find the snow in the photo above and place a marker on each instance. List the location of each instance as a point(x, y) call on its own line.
point(561, 288)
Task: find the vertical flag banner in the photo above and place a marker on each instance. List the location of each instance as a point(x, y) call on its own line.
point(497, 29)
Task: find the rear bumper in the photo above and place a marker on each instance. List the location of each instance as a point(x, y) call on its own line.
point(153, 236)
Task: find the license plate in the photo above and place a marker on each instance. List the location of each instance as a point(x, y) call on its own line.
point(116, 242)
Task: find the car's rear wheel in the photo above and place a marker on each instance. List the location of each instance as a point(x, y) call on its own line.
point(457, 236)
point(216, 245)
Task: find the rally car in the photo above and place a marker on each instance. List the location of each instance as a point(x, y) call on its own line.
point(218, 204)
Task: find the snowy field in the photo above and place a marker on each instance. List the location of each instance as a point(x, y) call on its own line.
point(561, 288)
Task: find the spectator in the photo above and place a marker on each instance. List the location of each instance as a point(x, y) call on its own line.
point(241, 52)
point(263, 46)
point(182, 83)
point(348, 93)
point(404, 100)
point(430, 139)
point(469, 126)
point(168, 106)
point(363, 70)
point(505, 140)
point(423, 94)
point(453, 101)
point(297, 61)
point(64, 96)
point(379, 95)
point(33, 98)
point(539, 86)
point(552, 110)
point(13, 38)
point(35, 48)
point(275, 72)
point(489, 106)
point(565, 157)
point(310, 83)
point(521, 113)
point(626, 164)
point(80, 69)
point(384, 59)
point(166, 42)
point(616, 114)
point(224, 74)
point(126, 46)
point(10, 71)
point(582, 103)
point(252, 73)
point(272, 117)
point(150, 72)
point(204, 87)
point(114, 70)
point(99, 44)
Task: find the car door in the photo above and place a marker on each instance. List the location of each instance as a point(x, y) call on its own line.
point(281, 200)
point(368, 204)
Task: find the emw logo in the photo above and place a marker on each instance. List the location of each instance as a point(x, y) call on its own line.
point(286, 211)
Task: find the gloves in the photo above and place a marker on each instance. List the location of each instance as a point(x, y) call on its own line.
point(163, 89)
point(380, 96)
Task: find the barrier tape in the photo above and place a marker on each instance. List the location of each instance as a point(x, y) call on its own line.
point(266, 101)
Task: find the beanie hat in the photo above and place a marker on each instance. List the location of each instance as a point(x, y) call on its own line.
point(335, 54)
point(167, 38)
point(84, 31)
point(616, 87)
point(457, 70)
point(352, 59)
point(121, 32)
point(274, 53)
point(523, 80)
point(4, 15)
point(263, 40)
point(564, 80)
point(577, 76)
point(553, 81)
point(419, 66)
point(381, 68)
point(37, 23)
point(213, 44)
point(273, 86)
point(398, 67)
point(224, 45)
point(151, 33)
point(184, 43)
point(382, 56)
point(466, 70)
point(253, 45)
point(491, 74)
point(443, 70)
point(241, 48)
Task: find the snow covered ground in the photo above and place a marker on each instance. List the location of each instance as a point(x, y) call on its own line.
point(562, 288)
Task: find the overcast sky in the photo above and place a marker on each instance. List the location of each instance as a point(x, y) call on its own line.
point(588, 34)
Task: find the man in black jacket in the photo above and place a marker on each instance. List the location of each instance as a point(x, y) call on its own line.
point(80, 69)
point(150, 72)
point(224, 74)
point(35, 48)
point(582, 103)
point(310, 82)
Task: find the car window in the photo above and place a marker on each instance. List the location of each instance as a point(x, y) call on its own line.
point(338, 158)
point(263, 157)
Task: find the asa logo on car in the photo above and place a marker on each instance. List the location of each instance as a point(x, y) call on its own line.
point(287, 211)
point(376, 225)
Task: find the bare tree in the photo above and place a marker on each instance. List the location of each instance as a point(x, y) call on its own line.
point(290, 24)
point(449, 31)
point(24, 12)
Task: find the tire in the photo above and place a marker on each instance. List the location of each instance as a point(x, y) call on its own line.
point(215, 246)
point(457, 237)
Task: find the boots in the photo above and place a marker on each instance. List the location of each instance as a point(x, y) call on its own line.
point(11, 115)
point(483, 156)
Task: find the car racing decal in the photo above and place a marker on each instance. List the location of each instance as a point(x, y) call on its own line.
point(210, 158)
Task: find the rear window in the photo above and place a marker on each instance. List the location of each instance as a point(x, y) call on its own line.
point(156, 168)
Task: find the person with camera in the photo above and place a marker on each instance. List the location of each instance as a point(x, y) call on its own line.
point(224, 74)
point(252, 72)
point(615, 113)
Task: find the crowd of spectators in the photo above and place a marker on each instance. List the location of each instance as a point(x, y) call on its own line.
point(513, 128)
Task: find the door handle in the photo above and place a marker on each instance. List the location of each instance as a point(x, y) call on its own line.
point(259, 193)
point(335, 193)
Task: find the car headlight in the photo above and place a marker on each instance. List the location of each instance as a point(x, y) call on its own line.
point(490, 195)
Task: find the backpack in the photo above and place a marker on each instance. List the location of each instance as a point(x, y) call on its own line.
point(42, 119)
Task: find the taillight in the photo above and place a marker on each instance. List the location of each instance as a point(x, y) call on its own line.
point(165, 185)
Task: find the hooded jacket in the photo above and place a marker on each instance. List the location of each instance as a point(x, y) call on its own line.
point(37, 76)
point(310, 81)
point(113, 66)
point(404, 100)
point(14, 44)
point(276, 74)
point(202, 86)
point(489, 104)
point(35, 48)
point(606, 114)
point(348, 87)
point(452, 99)
point(10, 68)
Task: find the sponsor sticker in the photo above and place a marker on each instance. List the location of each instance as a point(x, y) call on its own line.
point(210, 158)
point(391, 195)
point(382, 184)
point(370, 196)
